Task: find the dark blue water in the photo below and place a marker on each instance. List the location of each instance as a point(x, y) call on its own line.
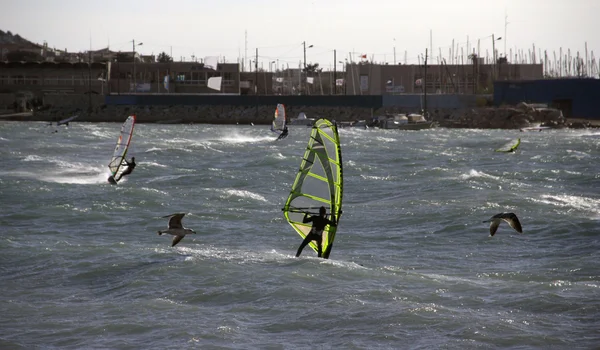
point(413, 266)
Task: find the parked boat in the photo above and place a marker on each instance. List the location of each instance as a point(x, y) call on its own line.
point(362, 124)
point(302, 120)
point(405, 122)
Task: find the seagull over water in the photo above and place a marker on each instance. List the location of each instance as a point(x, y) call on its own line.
point(176, 228)
point(510, 218)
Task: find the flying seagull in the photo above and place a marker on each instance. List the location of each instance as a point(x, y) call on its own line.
point(176, 228)
point(510, 218)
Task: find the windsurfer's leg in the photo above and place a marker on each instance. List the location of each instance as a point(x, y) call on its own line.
point(319, 248)
point(304, 243)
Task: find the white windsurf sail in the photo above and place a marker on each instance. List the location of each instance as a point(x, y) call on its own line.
point(319, 182)
point(535, 128)
point(116, 162)
point(67, 120)
point(279, 119)
point(214, 83)
point(510, 146)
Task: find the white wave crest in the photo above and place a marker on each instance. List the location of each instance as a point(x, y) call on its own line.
point(243, 194)
point(576, 202)
point(474, 173)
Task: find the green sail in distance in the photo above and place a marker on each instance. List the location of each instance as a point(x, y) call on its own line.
point(510, 146)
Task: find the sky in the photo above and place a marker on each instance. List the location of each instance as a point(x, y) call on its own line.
point(383, 30)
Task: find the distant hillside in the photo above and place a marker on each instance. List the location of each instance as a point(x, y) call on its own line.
point(16, 39)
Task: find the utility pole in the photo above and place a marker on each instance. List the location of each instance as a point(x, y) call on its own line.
point(304, 82)
point(334, 75)
point(256, 81)
point(505, 25)
point(425, 87)
point(394, 51)
point(90, 81)
point(306, 73)
point(134, 77)
point(493, 58)
point(134, 81)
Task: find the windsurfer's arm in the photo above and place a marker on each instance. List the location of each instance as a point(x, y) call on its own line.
point(306, 218)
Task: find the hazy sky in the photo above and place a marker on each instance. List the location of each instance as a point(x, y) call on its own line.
point(278, 28)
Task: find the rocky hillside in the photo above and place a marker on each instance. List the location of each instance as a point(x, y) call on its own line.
point(16, 39)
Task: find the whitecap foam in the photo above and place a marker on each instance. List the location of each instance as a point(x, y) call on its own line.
point(63, 178)
point(243, 194)
point(104, 134)
point(474, 173)
point(578, 154)
point(379, 178)
point(155, 164)
point(154, 190)
point(32, 158)
point(385, 139)
point(277, 155)
point(235, 137)
point(576, 202)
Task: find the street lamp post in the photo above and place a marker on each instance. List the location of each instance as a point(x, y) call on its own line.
point(134, 77)
point(344, 75)
point(494, 55)
point(304, 44)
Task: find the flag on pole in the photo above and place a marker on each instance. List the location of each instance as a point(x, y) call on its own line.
point(309, 80)
point(339, 82)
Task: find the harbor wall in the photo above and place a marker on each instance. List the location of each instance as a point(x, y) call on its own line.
point(576, 98)
point(464, 111)
point(227, 109)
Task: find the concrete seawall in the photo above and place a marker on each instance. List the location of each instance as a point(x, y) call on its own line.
point(56, 107)
point(461, 114)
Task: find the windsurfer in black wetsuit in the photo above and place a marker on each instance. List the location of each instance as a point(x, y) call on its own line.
point(316, 233)
point(130, 167)
point(284, 133)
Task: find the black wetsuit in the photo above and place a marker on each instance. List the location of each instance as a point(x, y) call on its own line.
point(284, 134)
point(130, 167)
point(316, 233)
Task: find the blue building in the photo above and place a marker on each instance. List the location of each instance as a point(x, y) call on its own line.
point(576, 97)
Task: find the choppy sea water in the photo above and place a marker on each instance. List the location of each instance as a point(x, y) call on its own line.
point(413, 266)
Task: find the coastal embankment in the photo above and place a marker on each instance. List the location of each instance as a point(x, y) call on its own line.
point(53, 107)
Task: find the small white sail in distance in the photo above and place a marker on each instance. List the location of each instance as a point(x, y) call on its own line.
point(215, 83)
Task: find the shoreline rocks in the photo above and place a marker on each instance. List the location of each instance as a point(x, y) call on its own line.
point(505, 117)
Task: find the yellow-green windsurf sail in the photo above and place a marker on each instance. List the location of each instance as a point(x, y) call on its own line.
point(319, 182)
point(510, 146)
